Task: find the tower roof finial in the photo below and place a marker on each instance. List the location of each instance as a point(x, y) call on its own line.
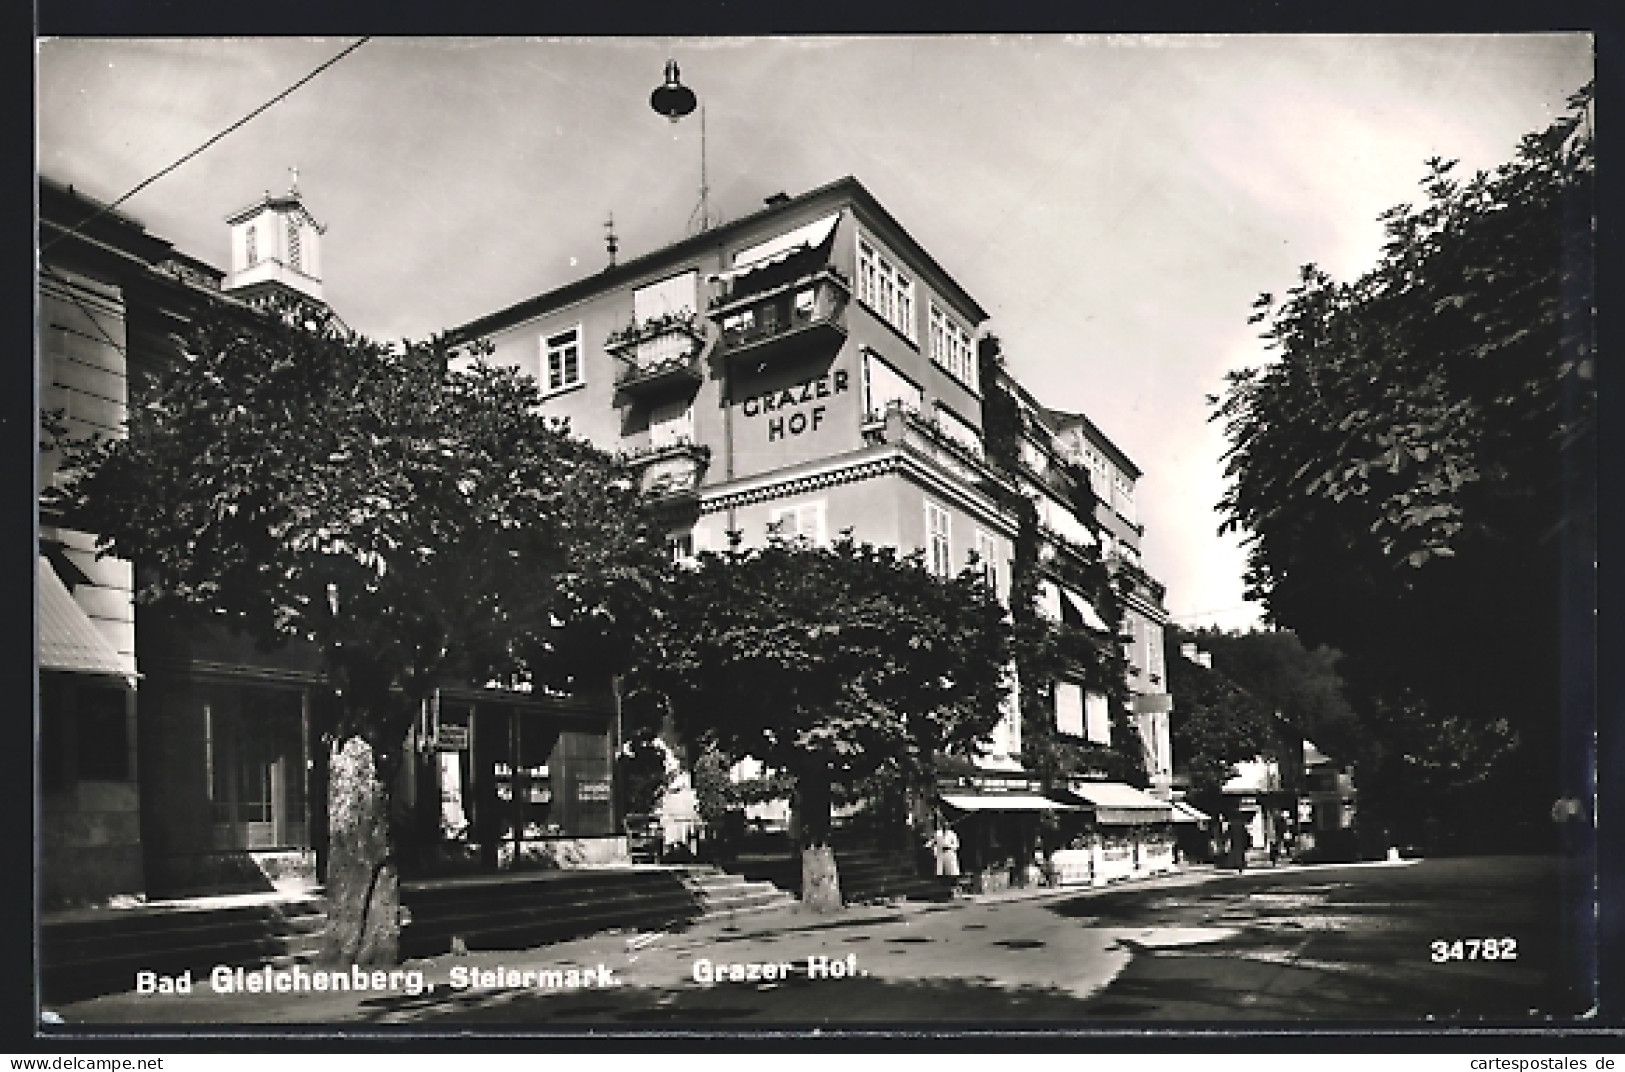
point(293, 181)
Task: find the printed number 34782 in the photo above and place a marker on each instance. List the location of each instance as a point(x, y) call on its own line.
point(1474, 949)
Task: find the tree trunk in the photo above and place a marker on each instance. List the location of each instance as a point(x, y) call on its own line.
point(820, 882)
point(363, 884)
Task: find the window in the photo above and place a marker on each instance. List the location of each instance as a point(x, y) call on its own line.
point(1097, 719)
point(563, 359)
point(959, 430)
point(883, 385)
point(1069, 709)
point(251, 246)
point(803, 521)
point(952, 348)
point(671, 424)
point(669, 297)
point(886, 290)
point(987, 556)
point(938, 550)
point(293, 243)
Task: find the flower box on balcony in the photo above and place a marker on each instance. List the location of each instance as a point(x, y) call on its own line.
point(802, 310)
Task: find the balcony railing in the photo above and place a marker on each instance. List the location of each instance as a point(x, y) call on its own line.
point(899, 423)
point(804, 310)
point(1122, 567)
point(658, 353)
point(670, 470)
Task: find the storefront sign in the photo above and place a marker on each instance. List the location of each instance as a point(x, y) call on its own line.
point(594, 792)
point(791, 411)
point(451, 737)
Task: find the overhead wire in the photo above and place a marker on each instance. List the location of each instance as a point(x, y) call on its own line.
point(144, 183)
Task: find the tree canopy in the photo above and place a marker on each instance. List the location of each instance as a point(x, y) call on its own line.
point(828, 663)
point(1404, 472)
point(414, 519)
point(1215, 725)
point(1299, 684)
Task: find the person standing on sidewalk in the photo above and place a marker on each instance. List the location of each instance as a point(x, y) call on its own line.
point(945, 843)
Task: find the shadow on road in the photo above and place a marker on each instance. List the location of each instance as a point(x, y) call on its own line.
point(1347, 944)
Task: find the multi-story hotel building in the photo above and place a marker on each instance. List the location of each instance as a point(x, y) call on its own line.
point(811, 369)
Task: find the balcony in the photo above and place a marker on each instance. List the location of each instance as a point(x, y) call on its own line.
point(804, 312)
point(902, 425)
point(659, 354)
point(670, 471)
point(1140, 579)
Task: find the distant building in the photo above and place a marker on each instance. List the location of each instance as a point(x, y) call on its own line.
point(177, 759)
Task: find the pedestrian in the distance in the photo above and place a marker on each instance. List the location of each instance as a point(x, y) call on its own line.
point(1240, 842)
point(947, 844)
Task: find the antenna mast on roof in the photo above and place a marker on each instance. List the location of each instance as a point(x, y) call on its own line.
point(674, 100)
point(704, 208)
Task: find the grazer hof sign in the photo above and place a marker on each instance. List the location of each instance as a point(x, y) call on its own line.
point(795, 410)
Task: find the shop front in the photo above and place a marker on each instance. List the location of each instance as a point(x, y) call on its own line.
point(503, 781)
point(1114, 832)
point(1001, 836)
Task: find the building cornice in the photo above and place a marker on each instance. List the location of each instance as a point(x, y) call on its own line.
point(867, 464)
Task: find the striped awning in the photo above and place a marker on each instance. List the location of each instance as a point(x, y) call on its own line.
point(69, 640)
point(779, 249)
point(1117, 804)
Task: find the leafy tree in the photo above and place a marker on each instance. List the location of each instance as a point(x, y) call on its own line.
point(828, 663)
point(1300, 685)
point(414, 522)
point(1216, 724)
point(1410, 472)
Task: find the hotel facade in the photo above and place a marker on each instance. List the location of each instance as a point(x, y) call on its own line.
point(811, 370)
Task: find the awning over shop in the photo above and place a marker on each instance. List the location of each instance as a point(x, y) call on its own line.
point(1006, 802)
point(1115, 803)
point(1184, 813)
point(68, 640)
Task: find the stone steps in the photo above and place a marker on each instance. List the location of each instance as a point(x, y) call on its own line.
point(865, 875)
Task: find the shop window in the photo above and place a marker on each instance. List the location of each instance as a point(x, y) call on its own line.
point(102, 733)
point(563, 359)
point(254, 758)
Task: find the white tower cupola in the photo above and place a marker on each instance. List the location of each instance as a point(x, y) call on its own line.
point(276, 245)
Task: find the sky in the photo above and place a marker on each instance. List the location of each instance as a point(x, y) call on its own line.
point(1115, 203)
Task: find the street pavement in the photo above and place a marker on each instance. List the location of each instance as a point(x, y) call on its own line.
point(1292, 945)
